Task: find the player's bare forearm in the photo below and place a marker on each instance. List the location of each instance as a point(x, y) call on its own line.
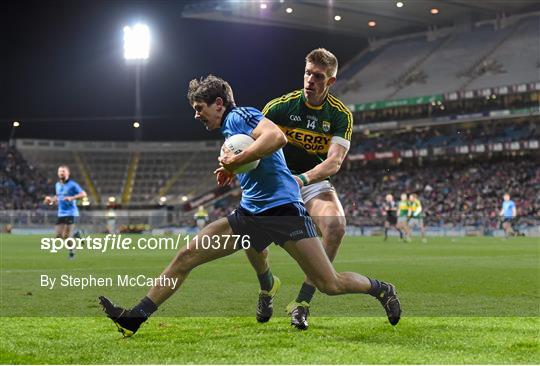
point(268, 139)
point(330, 166)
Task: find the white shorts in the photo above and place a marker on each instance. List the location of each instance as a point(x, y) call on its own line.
point(315, 189)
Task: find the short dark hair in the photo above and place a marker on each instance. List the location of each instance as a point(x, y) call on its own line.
point(323, 57)
point(208, 89)
point(64, 166)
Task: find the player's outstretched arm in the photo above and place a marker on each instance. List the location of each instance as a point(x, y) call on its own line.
point(329, 167)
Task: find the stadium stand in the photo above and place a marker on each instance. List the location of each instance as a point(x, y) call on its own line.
point(467, 194)
point(446, 136)
point(450, 107)
point(133, 176)
point(21, 185)
point(107, 171)
point(417, 67)
point(518, 57)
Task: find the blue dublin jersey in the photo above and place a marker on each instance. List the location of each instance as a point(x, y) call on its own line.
point(67, 189)
point(507, 207)
point(269, 185)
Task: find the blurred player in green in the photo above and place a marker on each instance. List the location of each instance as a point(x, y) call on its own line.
point(403, 217)
point(416, 216)
point(201, 217)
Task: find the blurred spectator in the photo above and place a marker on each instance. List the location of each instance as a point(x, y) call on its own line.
point(467, 194)
point(21, 185)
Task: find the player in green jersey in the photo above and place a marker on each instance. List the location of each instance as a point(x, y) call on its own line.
point(416, 216)
point(318, 127)
point(403, 217)
point(201, 217)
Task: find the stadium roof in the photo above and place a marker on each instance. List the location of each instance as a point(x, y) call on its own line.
point(391, 20)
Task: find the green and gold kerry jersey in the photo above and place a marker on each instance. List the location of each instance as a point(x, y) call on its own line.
point(309, 129)
point(403, 208)
point(415, 205)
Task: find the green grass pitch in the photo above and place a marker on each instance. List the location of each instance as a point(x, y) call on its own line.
point(468, 300)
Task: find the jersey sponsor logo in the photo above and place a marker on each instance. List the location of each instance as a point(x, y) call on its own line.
point(326, 126)
point(311, 142)
point(295, 118)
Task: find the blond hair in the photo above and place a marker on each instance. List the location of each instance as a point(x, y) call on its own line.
point(323, 57)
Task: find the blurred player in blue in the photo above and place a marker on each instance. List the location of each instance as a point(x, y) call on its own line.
point(67, 193)
point(508, 216)
point(271, 210)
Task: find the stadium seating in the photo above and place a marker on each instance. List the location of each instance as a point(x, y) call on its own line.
point(372, 86)
point(519, 57)
point(172, 174)
point(444, 136)
point(469, 194)
point(107, 171)
point(22, 186)
point(417, 67)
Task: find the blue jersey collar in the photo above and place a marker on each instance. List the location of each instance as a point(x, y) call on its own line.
point(225, 114)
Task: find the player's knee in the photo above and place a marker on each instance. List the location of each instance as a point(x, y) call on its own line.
point(185, 260)
point(329, 289)
point(328, 286)
point(334, 230)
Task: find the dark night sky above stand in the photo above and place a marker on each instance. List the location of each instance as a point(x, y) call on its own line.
point(66, 76)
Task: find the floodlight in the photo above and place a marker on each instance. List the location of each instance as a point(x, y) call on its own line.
point(136, 42)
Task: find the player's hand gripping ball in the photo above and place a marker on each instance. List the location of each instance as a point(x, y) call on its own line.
point(235, 145)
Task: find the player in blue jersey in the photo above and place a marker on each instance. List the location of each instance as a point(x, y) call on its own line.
point(271, 210)
point(508, 216)
point(67, 193)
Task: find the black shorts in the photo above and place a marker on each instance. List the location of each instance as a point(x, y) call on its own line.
point(511, 220)
point(275, 225)
point(392, 220)
point(67, 220)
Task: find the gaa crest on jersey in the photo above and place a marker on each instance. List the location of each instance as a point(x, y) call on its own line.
point(326, 126)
